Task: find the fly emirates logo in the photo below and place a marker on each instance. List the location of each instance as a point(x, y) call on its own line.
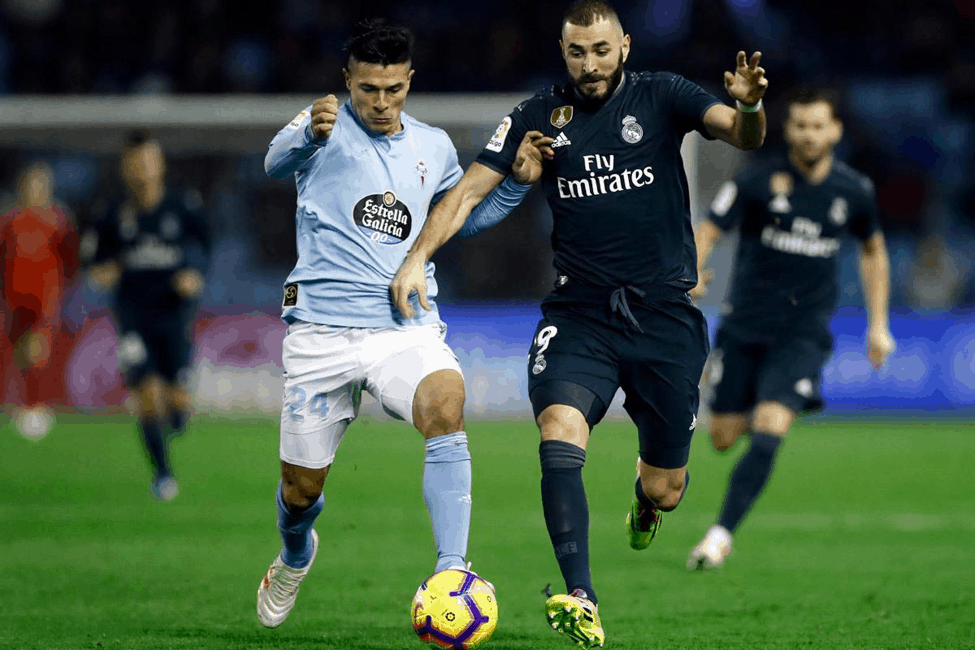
point(602, 179)
point(804, 239)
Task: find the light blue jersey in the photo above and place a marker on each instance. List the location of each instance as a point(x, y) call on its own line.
point(362, 199)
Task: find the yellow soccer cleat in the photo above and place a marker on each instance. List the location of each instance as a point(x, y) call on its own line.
point(576, 617)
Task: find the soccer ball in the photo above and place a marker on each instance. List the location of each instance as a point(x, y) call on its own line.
point(455, 609)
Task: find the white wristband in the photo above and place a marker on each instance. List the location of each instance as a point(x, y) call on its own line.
point(749, 108)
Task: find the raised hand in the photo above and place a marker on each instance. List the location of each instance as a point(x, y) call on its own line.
point(748, 83)
point(324, 111)
point(880, 345)
point(527, 167)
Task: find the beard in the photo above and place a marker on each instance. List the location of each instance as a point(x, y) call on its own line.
point(596, 98)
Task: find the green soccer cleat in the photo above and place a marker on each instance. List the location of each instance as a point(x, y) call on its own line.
point(576, 617)
point(641, 525)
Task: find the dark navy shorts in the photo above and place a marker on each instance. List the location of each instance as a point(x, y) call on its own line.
point(584, 351)
point(155, 346)
point(742, 373)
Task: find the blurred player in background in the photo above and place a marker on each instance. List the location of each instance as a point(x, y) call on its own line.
point(620, 315)
point(152, 249)
point(792, 213)
point(39, 253)
point(366, 173)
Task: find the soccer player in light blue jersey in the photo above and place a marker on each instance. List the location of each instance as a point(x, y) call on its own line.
point(367, 173)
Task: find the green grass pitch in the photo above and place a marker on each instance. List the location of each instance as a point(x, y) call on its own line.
point(865, 538)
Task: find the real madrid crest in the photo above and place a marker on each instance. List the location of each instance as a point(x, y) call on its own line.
point(838, 211)
point(632, 132)
point(539, 366)
point(561, 116)
point(780, 184)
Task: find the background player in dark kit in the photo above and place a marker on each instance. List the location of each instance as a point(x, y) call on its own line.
point(792, 213)
point(152, 249)
point(624, 252)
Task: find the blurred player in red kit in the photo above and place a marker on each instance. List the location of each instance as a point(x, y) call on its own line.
point(39, 249)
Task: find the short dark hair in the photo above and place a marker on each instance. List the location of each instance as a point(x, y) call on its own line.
point(136, 138)
point(376, 41)
point(804, 95)
point(586, 12)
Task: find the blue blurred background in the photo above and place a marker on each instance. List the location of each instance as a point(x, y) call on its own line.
point(215, 80)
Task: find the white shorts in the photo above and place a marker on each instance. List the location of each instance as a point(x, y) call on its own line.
point(326, 368)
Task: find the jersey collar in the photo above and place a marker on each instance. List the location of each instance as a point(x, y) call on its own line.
point(399, 135)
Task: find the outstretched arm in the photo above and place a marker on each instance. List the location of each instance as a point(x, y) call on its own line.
point(444, 220)
point(875, 281)
point(450, 214)
point(745, 127)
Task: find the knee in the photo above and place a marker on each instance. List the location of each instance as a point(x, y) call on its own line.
point(438, 406)
point(150, 398)
point(301, 486)
point(726, 429)
point(666, 490)
point(723, 438)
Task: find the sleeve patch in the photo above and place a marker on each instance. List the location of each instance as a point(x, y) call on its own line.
point(296, 123)
point(725, 198)
point(496, 143)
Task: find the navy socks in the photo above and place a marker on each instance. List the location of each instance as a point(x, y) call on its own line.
point(749, 478)
point(567, 512)
point(152, 438)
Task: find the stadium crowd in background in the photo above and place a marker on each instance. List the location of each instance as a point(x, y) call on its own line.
point(906, 72)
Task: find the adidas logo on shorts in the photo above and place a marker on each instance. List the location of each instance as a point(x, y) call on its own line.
point(561, 141)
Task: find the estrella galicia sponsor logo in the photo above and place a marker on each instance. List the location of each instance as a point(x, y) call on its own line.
point(383, 218)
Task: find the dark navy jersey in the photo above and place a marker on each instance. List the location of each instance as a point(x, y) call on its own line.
point(150, 247)
point(616, 188)
point(785, 272)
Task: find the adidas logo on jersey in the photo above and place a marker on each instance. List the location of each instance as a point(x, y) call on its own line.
point(561, 141)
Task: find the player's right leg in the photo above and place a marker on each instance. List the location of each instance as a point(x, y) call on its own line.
point(572, 377)
point(321, 398)
point(299, 502)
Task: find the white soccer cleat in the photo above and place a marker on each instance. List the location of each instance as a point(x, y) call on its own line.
point(712, 550)
point(34, 423)
point(278, 590)
point(165, 488)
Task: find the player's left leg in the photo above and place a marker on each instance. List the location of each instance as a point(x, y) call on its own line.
point(417, 378)
point(661, 379)
point(149, 395)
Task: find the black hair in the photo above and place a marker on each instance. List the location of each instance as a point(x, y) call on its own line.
point(376, 41)
point(136, 138)
point(586, 12)
point(805, 95)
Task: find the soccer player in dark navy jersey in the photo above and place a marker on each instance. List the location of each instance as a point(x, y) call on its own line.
point(152, 249)
point(791, 213)
point(610, 165)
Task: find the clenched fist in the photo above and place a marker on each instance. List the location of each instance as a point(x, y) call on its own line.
point(323, 113)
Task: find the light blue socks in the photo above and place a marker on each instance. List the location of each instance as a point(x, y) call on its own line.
point(296, 531)
point(447, 492)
